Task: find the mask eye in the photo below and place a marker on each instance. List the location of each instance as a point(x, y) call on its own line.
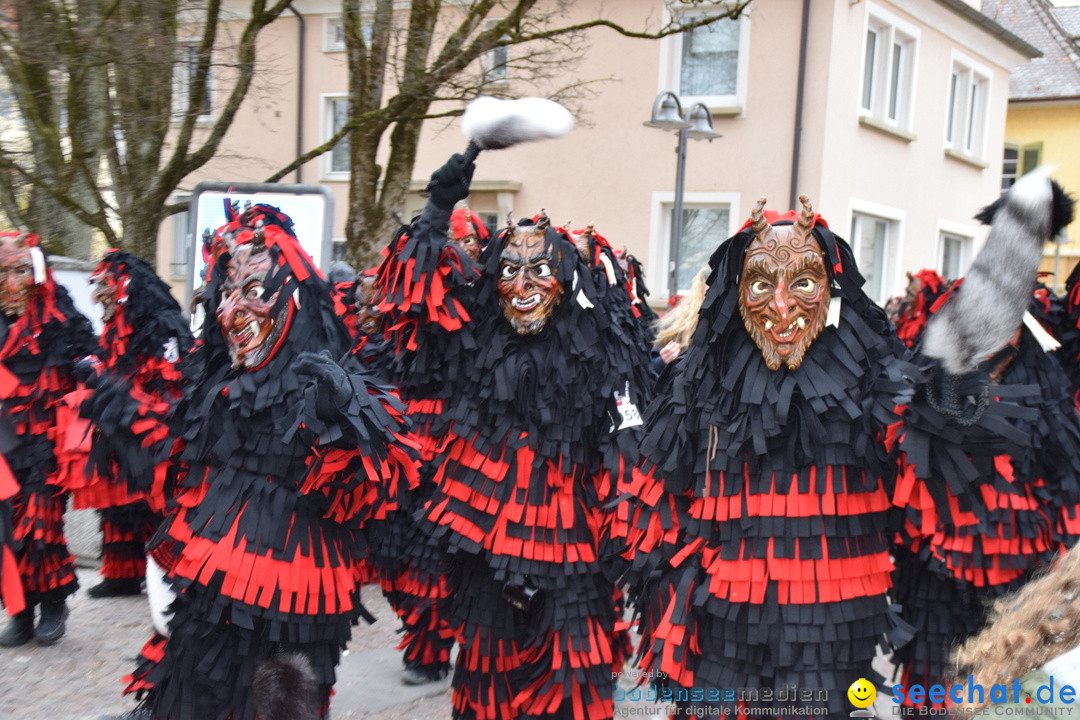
point(543, 270)
point(254, 292)
point(760, 287)
point(507, 271)
point(805, 285)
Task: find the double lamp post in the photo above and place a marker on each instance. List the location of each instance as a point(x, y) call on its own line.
point(696, 124)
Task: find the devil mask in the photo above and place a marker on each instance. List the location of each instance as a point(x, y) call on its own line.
point(368, 317)
point(468, 232)
point(529, 289)
point(106, 293)
point(469, 244)
point(16, 275)
point(250, 321)
point(784, 288)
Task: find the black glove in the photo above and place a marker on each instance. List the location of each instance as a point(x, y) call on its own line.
point(450, 183)
point(326, 373)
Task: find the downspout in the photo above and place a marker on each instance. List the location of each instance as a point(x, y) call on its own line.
point(299, 93)
point(797, 144)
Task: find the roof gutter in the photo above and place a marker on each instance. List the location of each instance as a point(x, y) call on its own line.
point(796, 146)
point(964, 10)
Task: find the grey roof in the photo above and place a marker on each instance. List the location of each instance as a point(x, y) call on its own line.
point(1057, 73)
point(964, 9)
point(1069, 17)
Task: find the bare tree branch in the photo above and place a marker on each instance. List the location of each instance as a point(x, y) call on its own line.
point(434, 52)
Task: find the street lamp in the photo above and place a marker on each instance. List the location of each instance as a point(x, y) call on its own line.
point(696, 123)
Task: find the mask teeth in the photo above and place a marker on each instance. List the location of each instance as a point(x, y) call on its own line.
point(801, 323)
point(769, 325)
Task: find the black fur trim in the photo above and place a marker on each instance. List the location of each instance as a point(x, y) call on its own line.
point(1061, 210)
point(285, 688)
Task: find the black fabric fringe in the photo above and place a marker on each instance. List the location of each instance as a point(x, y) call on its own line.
point(45, 375)
point(553, 394)
point(248, 440)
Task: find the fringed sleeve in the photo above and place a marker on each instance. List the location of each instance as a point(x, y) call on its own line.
point(363, 459)
point(418, 279)
point(987, 499)
point(130, 441)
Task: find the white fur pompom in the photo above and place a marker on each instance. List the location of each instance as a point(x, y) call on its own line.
point(160, 594)
point(494, 124)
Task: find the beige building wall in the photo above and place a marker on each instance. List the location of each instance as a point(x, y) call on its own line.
point(910, 177)
point(620, 175)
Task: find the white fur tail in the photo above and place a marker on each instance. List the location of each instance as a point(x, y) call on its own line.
point(160, 595)
point(988, 308)
point(493, 124)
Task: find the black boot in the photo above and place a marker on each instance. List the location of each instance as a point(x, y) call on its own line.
point(51, 626)
point(116, 587)
point(20, 629)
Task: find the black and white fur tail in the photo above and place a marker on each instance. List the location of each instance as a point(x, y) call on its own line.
point(285, 688)
point(990, 305)
point(493, 124)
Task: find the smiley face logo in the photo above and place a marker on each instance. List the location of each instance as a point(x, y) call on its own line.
point(862, 693)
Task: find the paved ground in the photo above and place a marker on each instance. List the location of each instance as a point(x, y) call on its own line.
point(80, 677)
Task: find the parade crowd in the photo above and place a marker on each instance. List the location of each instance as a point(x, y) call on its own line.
point(765, 488)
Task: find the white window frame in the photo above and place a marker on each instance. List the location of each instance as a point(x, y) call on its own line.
point(661, 206)
point(887, 86)
point(890, 273)
point(966, 234)
point(183, 236)
point(1010, 176)
point(491, 220)
point(326, 101)
point(967, 118)
point(334, 33)
point(490, 62)
point(182, 82)
point(671, 48)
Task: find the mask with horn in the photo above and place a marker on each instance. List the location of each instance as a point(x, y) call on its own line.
point(784, 287)
point(528, 286)
point(258, 300)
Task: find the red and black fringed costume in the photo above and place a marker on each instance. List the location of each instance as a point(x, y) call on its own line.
point(639, 293)
point(995, 504)
point(11, 593)
point(1067, 331)
point(143, 338)
point(529, 432)
point(426, 647)
point(759, 539)
point(924, 287)
point(42, 337)
point(990, 445)
point(617, 268)
point(286, 452)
